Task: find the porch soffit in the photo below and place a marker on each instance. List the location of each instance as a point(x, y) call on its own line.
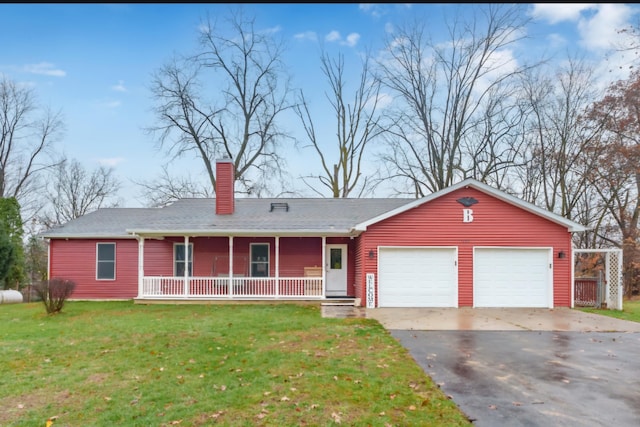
point(244, 233)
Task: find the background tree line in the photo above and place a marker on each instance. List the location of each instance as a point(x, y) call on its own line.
point(419, 116)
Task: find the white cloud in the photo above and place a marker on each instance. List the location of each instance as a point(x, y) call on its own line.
point(111, 161)
point(382, 101)
point(119, 87)
point(333, 36)
point(352, 39)
point(556, 40)
point(44, 68)
point(307, 35)
point(272, 30)
point(601, 30)
point(372, 9)
point(558, 12)
point(389, 28)
point(598, 24)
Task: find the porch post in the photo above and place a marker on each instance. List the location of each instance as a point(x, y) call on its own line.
point(277, 266)
point(140, 267)
point(230, 266)
point(324, 266)
point(186, 266)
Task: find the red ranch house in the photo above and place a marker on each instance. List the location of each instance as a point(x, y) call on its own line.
point(467, 245)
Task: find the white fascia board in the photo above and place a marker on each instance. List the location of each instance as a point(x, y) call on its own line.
point(86, 236)
point(244, 232)
point(498, 194)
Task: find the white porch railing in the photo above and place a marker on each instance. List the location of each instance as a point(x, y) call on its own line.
point(237, 287)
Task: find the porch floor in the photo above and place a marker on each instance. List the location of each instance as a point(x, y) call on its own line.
point(332, 301)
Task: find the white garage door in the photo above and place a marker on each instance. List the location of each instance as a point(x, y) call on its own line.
point(512, 277)
point(417, 277)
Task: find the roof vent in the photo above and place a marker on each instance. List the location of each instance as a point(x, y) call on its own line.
point(279, 205)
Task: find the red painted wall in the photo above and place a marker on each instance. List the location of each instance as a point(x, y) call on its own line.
point(496, 223)
point(76, 260)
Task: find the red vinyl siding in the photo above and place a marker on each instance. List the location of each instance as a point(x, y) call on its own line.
point(496, 223)
point(76, 260)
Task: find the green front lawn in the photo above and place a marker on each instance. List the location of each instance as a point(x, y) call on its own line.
point(116, 363)
point(630, 311)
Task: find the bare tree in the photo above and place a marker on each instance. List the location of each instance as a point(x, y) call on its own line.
point(557, 156)
point(357, 124)
point(27, 132)
point(457, 114)
point(74, 191)
point(168, 188)
point(247, 84)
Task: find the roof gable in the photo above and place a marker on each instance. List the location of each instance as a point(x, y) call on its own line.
point(484, 188)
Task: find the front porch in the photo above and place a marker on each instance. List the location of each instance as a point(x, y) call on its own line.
point(230, 288)
point(245, 268)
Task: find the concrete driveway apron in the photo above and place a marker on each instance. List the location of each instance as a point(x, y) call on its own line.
point(526, 367)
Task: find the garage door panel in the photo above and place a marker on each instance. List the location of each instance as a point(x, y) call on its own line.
point(417, 277)
point(511, 277)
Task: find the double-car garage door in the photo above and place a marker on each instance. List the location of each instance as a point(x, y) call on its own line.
point(428, 277)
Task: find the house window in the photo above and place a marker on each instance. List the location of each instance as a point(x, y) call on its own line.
point(259, 260)
point(179, 259)
point(106, 261)
point(336, 258)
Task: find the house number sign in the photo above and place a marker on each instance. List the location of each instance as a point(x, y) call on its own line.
point(371, 297)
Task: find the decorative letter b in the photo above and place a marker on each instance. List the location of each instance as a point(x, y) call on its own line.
point(467, 215)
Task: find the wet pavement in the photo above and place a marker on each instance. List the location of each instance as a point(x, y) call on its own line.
point(534, 378)
point(498, 319)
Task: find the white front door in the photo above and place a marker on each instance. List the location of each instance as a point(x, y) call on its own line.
point(336, 270)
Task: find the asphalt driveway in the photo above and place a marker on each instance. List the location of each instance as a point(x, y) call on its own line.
point(529, 374)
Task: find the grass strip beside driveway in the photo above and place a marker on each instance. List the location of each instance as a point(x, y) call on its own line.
point(116, 363)
point(630, 311)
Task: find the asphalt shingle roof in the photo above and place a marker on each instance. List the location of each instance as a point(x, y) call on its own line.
point(250, 215)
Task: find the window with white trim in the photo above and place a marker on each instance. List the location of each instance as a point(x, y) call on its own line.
point(106, 261)
point(259, 260)
point(179, 259)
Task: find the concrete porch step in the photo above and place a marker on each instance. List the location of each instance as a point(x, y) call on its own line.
point(333, 302)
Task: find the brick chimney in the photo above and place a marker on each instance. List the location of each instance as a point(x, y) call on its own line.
point(225, 179)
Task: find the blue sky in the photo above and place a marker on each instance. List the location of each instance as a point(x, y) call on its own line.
point(94, 61)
